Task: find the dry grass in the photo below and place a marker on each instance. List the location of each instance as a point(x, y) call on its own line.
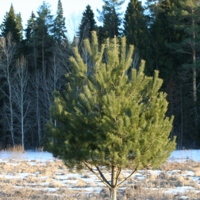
point(16, 151)
point(43, 180)
point(16, 148)
point(40, 149)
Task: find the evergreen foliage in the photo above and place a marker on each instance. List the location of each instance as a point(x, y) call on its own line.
point(161, 33)
point(19, 25)
point(111, 19)
point(39, 38)
point(31, 26)
point(87, 25)
point(108, 118)
point(31, 43)
point(135, 28)
point(43, 34)
point(186, 19)
point(12, 24)
point(59, 28)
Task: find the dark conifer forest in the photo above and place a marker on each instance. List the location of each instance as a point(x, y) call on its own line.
point(35, 59)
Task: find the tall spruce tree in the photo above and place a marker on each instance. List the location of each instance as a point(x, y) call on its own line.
point(59, 28)
point(106, 119)
point(161, 33)
point(12, 24)
point(32, 50)
point(19, 25)
point(87, 25)
point(168, 62)
point(111, 19)
point(32, 55)
point(44, 35)
point(186, 18)
point(135, 28)
point(40, 47)
point(44, 44)
point(31, 26)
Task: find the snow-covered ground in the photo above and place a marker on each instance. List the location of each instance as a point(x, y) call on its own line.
point(185, 155)
point(178, 155)
point(39, 173)
point(27, 155)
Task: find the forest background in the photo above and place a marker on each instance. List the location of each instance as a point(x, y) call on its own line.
point(34, 61)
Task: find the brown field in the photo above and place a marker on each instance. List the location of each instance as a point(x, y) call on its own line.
point(23, 179)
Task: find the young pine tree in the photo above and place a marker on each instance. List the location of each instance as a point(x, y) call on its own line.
point(108, 118)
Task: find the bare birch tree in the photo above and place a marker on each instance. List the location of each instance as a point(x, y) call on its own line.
point(56, 76)
point(7, 60)
point(22, 99)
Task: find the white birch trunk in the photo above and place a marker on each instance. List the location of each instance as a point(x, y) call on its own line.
point(7, 52)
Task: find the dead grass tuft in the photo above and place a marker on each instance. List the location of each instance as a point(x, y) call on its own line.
point(86, 176)
point(80, 183)
point(186, 165)
point(15, 148)
point(56, 185)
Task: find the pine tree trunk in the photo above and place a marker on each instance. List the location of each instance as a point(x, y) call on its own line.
point(113, 193)
point(194, 71)
point(181, 113)
point(113, 189)
point(37, 82)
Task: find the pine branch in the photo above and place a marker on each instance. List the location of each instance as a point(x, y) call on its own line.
point(127, 177)
point(101, 177)
point(117, 176)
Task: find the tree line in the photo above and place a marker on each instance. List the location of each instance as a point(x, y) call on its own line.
point(35, 60)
